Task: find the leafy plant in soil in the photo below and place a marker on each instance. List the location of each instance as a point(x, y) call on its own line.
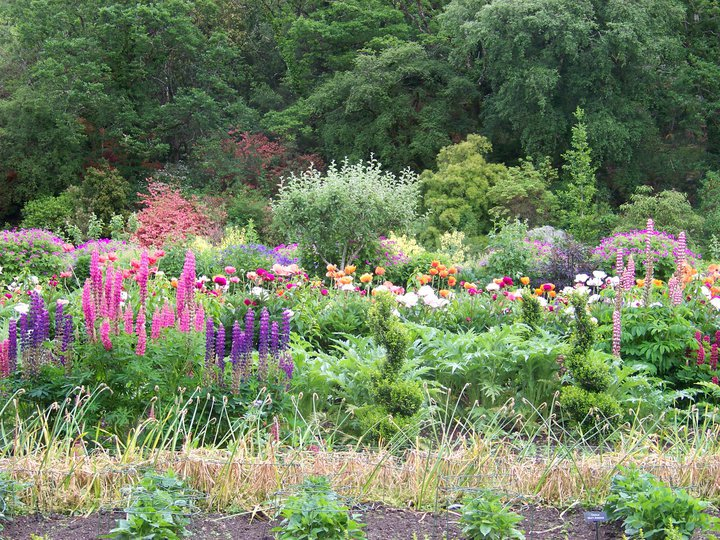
point(487, 517)
point(649, 507)
point(158, 510)
point(316, 512)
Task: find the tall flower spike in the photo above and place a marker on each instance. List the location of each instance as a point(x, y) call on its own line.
point(263, 344)
point(143, 274)
point(89, 310)
point(95, 279)
point(209, 341)
point(105, 335)
point(285, 333)
point(12, 344)
point(199, 319)
point(220, 350)
point(141, 332)
point(250, 328)
point(128, 319)
point(649, 261)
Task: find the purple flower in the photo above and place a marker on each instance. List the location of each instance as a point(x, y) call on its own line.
point(209, 340)
point(220, 347)
point(263, 343)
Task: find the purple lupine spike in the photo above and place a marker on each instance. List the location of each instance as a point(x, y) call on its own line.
point(247, 347)
point(237, 345)
point(285, 333)
point(67, 337)
point(274, 339)
point(263, 344)
point(12, 346)
point(220, 349)
point(59, 320)
point(287, 365)
point(24, 332)
point(43, 327)
point(209, 341)
point(250, 328)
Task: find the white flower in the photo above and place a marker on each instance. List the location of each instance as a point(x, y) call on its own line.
point(435, 302)
point(614, 281)
point(62, 301)
point(290, 313)
point(636, 303)
point(425, 290)
point(381, 288)
point(715, 302)
point(593, 298)
point(599, 274)
point(567, 291)
point(160, 273)
point(347, 287)
point(706, 292)
point(594, 282)
point(408, 300)
point(656, 304)
point(492, 287)
point(429, 299)
point(582, 289)
point(581, 278)
point(34, 280)
point(22, 307)
point(259, 292)
point(570, 310)
point(542, 301)
point(593, 320)
point(123, 296)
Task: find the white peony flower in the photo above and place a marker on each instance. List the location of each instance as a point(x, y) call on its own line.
point(492, 287)
point(542, 301)
point(409, 299)
point(706, 292)
point(381, 288)
point(581, 278)
point(593, 298)
point(259, 292)
point(599, 274)
point(22, 308)
point(656, 304)
point(594, 282)
point(348, 287)
point(570, 310)
point(425, 290)
point(715, 302)
point(567, 291)
point(613, 281)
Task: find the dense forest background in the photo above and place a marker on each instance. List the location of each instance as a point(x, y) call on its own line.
point(229, 95)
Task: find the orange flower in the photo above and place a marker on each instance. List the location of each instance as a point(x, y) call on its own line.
point(435, 264)
point(424, 279)
point(552, 294)
point(443, 273)
point(433, 271)
point(657, 282)
point(640, 282)
point(281, 292)
point(331, 268)
point(442, 267)
point(452, 270)
point(346, 280)
point(538, 291)
point(444, 293)
point(525, 280)
point(380, 271)
point(366, 278)
point(498, 281)
point(452, 281)
point(469, 285)
point(349, 269)
point(174, 283)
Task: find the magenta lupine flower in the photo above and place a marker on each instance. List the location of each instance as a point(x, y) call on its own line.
point(186, 284)
point(141, 331)
point(185, 321)
point(628, 277)
point(617, 332)
point(89, 310)
point(95, 279)
point(107, 297)
point(4, 359)
point(168, 316)
point(681, 253)
point(128, 320)
point(105, 335)
point(713, 356)
point(156, 324)
point(619, 263)
point(701, 349)
point(12, 344)
point(117, 296)
point(199, 323)
point(143, 274)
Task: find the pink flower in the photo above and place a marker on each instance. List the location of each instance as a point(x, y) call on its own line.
point(234, 279)
point(105, 335)
point(324, 292)
point(65, 274)
point(230, 270)
point(220, 280)
point(128, 320)
point(67, 248)
point(507, 281)
point(141, 332)
point(247, 301)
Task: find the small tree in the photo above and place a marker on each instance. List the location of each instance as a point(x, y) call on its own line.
point(336, 215)
point(578, 208)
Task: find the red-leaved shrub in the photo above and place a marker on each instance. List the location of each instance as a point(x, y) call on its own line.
point(168, 216)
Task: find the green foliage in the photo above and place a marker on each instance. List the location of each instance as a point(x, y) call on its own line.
point(159, 508)
point(670, 210)
point(583, 337)
point(589, 409)
point(51, 213)
point(10, 503)
point(524, 193)
point(590, 371)
point(644, 503)
point(486, 517)
point(316, 512)
point(531, 310)
point(104, 193)
point(577, 202)
point(334, 216)
point(509, 253)
point(456, 195)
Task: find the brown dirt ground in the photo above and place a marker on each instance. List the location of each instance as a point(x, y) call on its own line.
point(383, 523)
